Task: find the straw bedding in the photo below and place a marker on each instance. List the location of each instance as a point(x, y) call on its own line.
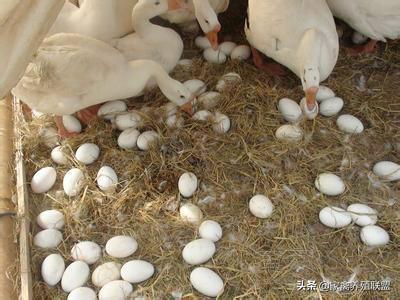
point(257, 259)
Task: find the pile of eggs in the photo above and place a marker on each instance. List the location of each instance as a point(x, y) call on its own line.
point(113, 279)
point(329, 105)
point(74, 179)
point(225, 49)
point(360, 214)
point(199, 251)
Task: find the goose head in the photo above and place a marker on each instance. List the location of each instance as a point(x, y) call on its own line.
point(310, 80)
point(208, 20)
point(179, 94)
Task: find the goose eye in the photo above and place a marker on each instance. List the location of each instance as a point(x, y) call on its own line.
point(182, 97)
point(157, 3)
point(207, 22)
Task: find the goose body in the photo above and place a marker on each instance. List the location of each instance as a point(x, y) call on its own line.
point(376, 19)
point(301, 35)
point(53, 82)
point(150, 41)
point(101, 19)
point(23, 26)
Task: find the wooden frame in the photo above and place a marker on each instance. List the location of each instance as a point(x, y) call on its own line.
point(23, 208)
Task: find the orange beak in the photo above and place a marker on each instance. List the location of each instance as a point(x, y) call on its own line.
point(311, 94)
point(212, 37)
point(188, 108)
point(175, 4)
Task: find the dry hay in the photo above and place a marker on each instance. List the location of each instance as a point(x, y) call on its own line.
point(257, 259)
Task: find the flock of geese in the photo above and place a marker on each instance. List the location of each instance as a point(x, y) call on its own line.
point(98, 51)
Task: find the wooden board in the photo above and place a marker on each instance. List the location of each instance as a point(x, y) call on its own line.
point(8, 246)
point(23, 208)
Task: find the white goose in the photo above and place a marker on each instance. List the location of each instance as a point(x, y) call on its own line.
point(53, 82)
point(298, 34)
point(205, 11)
point(23, 25)
point(376, 19)
point(151, 41)
point(101, 19)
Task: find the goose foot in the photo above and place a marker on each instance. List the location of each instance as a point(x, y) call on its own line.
point(62, 131)
point(88, 114)
point(272, 69)
point(369, 47)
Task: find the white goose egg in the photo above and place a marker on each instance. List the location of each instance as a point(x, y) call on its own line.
point(43, 180)
point(73, 182)
point(116, 290)
point(209, 100)
point(202, 42)
point(146, 139)
point(128, 138)
point(198, 251)
point(232, 77)
point(350, 124)
point(222, 123)
point(82, 293)
point(174, 121)
point(196, 86)
point(241, 52)
point(75, 275)
point(207, 282)
point(202, 115)
point(52, 269)
point(362, 214)
point(72, 124)
point(187, 184)
point(227, 79)
point(121, 246)
point(86, 251)
point(387, 170)
point(324, 93)
point(374, 236)
point(358, 38)
point(106, 273)
point(211, 230)
point(227, 47)
point(106, 178)
point(191, 213)
point(136, 271)
point(185, 63)
point(51, 219)
point(87, 153)
point(49, 137)
point(330, 184)
point(331, 107)
point(110, 109)
point(131, 119)
point(214, 56)
point(290, 110)
point(334, 217)
point(47, 239)
point(221, 85)
point(58, 156)
point(289, 133)
point(310, 114)
point(261, 206)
